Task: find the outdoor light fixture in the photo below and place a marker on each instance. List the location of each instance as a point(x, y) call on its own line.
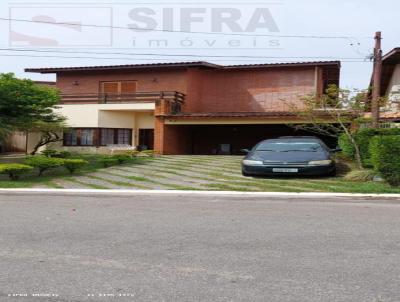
point(75, 83)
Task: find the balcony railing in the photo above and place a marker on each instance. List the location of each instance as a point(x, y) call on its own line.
point(109, 98)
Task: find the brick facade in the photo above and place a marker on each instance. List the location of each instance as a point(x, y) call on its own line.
point(247, 90)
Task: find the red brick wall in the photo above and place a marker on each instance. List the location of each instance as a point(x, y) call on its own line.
point(170, 139)
point(247, 90)
point(88, 82)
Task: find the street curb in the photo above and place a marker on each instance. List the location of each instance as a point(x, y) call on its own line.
point(181, 192)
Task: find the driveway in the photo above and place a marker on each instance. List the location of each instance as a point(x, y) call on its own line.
point(216, 173)
point(198, 248)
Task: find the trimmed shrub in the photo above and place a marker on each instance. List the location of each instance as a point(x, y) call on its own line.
point(385, 157)
point(14, 171)
point(150, 153)
point(43, 163)
point(73, 165)
point(134, 153)
point(55, 153)
point(363, 137)
point(121, 158)
point(108, 161)
point(62, 154)
point(361, 175)
point(49, 152)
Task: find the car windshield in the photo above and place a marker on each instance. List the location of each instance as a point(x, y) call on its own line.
point(289, 146)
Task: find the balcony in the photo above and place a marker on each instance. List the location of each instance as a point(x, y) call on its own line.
point(172, 97)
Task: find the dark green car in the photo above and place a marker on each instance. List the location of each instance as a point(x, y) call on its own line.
point(290, 156)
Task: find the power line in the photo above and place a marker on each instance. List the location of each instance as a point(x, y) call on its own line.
point(138, 59)
point(188, 32)
point(174, 55)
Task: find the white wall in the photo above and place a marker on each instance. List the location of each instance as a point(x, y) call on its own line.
point(132, 116)
point(91, 115)
point(145, 120)
point(116, 119)
point(393, 91)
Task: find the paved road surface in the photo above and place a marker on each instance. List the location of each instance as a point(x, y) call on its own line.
point(198, 248)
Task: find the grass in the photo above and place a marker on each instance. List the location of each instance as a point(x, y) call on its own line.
point(119, 183)
point(47, 180)
point(205, 172)
point(136, 178)
point(90, 185)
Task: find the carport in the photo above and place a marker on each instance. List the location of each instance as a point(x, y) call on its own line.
point(226, 136)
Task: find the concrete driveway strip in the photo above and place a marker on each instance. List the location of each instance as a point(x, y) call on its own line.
point(174, 247)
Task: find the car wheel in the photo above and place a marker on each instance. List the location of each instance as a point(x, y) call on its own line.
point(333, 173)
point(245, 174)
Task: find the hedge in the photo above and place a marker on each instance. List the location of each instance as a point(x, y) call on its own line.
point(385, 157)
point(346, 146)
point(14, 171)
point(363, 138)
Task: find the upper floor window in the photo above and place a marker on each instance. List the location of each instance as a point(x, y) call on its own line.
point(118, 87)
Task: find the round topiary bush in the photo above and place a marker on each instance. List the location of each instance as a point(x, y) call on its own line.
point(121, 158)
point(14, 171)
point(108, 161)
point(72, 165)
point(43, 163)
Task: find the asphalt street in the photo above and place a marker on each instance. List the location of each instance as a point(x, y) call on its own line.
point(198, 248)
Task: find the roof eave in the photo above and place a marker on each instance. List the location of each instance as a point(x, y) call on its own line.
point(391, 53)
point(182, 65)
point(124, 67)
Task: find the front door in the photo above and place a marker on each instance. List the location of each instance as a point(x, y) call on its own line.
point(146, 139)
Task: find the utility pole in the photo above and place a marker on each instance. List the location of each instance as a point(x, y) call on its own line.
point(376, 88)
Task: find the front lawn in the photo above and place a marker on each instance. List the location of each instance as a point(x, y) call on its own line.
point(52, 178)
point(190, 173)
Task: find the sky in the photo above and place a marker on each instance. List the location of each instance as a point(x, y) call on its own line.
point(100, 32)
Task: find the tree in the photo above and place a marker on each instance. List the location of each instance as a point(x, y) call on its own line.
point(332, 114)
point(26, 106)
point(50, 132)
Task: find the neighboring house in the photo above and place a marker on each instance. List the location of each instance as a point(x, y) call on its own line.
point(185, 108)
point(390, 86)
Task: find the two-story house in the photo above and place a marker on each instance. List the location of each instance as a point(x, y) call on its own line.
point(185, 108)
